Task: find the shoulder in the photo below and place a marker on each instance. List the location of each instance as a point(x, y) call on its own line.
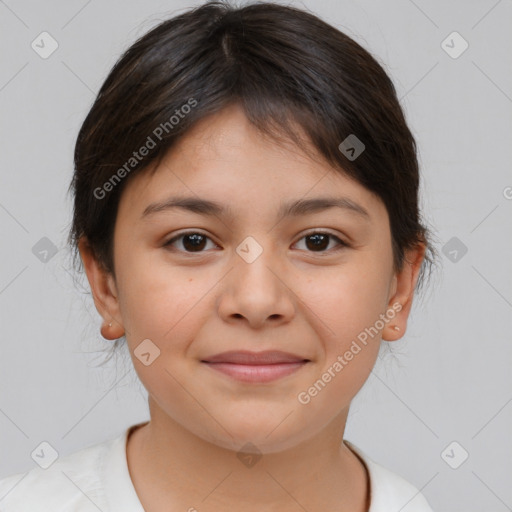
point(70, 483)
point(390, 491)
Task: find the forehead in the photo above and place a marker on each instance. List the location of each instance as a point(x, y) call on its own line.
point(225, 159)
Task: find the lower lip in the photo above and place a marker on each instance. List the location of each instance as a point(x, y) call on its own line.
point(257, 373)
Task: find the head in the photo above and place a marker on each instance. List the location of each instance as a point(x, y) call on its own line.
point(251, 108)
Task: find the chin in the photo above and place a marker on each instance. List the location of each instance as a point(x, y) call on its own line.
point(258, 437)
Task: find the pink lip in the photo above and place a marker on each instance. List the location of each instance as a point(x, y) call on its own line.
point(256, 366)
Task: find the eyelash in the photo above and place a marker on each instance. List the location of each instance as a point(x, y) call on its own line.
point(341, 243)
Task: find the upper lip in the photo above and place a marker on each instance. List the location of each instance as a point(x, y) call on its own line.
point(255, 358)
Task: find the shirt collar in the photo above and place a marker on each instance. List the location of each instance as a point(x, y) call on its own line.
point(119, 489)
point(121, 494)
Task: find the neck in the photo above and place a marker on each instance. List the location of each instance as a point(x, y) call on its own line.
point(170, 466)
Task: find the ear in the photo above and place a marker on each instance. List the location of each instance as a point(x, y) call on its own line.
point(402, 292)
point(104, 292)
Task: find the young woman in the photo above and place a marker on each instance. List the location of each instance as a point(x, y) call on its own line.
point(246, 211)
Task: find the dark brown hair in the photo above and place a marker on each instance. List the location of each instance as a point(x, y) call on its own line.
point(286, 68)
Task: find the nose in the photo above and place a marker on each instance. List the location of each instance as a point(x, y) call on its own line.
point(256, 292)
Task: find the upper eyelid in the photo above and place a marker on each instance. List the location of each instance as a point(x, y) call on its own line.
point(189, 232)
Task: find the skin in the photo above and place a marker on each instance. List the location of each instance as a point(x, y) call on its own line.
point(293, 297)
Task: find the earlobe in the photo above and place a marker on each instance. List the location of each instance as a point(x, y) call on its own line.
point(404, 284)
point(104, 292)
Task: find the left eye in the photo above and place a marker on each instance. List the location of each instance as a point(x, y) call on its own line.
point(318, 240)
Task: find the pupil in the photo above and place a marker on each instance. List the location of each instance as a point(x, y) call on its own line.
point(319, 238)
point(196, 241)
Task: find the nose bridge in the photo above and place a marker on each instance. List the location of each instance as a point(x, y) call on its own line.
point(253, 264)
point(255, 289)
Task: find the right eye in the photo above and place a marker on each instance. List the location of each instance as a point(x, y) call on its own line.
point(191, 241)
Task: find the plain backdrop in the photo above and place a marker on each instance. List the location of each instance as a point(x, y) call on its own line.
point(444, 396)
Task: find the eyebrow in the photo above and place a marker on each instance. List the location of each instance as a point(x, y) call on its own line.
point(293, 208)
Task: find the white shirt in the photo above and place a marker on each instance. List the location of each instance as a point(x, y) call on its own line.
point(97, 478)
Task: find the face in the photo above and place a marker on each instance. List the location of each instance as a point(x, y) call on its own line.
point(192, 284)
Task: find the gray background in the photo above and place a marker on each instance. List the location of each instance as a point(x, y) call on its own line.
point(449, 378)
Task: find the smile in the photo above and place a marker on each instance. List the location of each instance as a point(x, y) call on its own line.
point(256, 367)
point(257, 373)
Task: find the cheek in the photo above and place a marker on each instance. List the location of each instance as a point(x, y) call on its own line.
point(159, 301)
point(346, 306)
point(347, 300)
